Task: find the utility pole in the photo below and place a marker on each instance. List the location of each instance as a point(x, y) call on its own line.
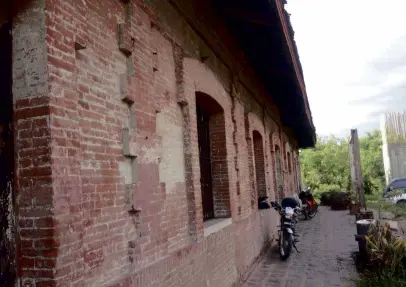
point(357, 181)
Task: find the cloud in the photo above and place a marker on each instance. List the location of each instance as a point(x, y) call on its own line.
point(387, 99)
point(363, 129)
point(354, 60)
point(393, 59)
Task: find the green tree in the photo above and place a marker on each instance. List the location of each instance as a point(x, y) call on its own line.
point(372, 162)
point(327, 167)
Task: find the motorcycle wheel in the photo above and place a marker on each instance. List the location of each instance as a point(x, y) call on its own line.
point(313, 212)
point(285, 245)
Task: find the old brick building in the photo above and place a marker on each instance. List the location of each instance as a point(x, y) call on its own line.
point(144, 131)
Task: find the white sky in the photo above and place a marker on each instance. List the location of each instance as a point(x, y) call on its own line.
point(353, 54)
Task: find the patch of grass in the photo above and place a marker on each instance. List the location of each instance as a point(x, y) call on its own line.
point(385, 278)
point(372, 197)
point(376, 202)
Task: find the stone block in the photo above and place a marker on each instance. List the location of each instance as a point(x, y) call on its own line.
point(125, 40)
point(132, 119)
point(129, 201)
point(128, 143)
point(126, 88)
point(134, 170)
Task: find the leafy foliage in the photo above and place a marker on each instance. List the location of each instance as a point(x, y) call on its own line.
point(372, 162)
point(327, 167)
point(386, 259)
point(385, 251)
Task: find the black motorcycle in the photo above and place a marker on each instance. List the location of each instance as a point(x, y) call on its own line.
point(287, 232)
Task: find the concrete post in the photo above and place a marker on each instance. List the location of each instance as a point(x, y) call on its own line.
point(357, 181)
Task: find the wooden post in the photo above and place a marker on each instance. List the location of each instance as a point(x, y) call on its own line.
point(357, 181)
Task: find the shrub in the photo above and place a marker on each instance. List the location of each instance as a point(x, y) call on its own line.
point(385, 251)
point(386, 259)
point(338, 200)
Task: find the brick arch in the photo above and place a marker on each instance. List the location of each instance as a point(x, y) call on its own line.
point(196, 81)
point(208, 103)
point(205, 81)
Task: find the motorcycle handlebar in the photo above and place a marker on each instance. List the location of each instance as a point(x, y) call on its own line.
point(278, 207)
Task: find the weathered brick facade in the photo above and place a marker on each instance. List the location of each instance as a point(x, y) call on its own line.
point(107, 157)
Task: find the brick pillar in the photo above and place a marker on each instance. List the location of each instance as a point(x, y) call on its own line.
point(49, 194)
point(259, 164)
point(36, 240)
point(194, 206)
point(235, 97)
point(250, 148)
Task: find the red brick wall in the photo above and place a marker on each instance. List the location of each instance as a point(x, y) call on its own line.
point(221, 185)
point(107, 156)
point(259, 164)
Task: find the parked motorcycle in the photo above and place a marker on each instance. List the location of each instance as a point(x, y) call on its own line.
point(309, 204)
point(287, 233)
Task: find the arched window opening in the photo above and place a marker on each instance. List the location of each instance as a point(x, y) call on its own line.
point(212, 157)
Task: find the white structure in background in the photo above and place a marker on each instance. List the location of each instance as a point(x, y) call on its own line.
point(393, 128)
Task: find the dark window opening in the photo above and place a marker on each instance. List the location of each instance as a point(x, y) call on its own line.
point(213, 158)
point(205, 163)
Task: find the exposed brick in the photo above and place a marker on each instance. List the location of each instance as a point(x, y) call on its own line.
point(259, 163)
point(76, 221)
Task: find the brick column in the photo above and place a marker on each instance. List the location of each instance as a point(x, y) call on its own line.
point(36, 240)
point(251, 167)
point(48, 155)
point(192, 204)
point(64, 54)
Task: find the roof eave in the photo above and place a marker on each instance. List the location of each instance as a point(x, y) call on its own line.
point(294, 55)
